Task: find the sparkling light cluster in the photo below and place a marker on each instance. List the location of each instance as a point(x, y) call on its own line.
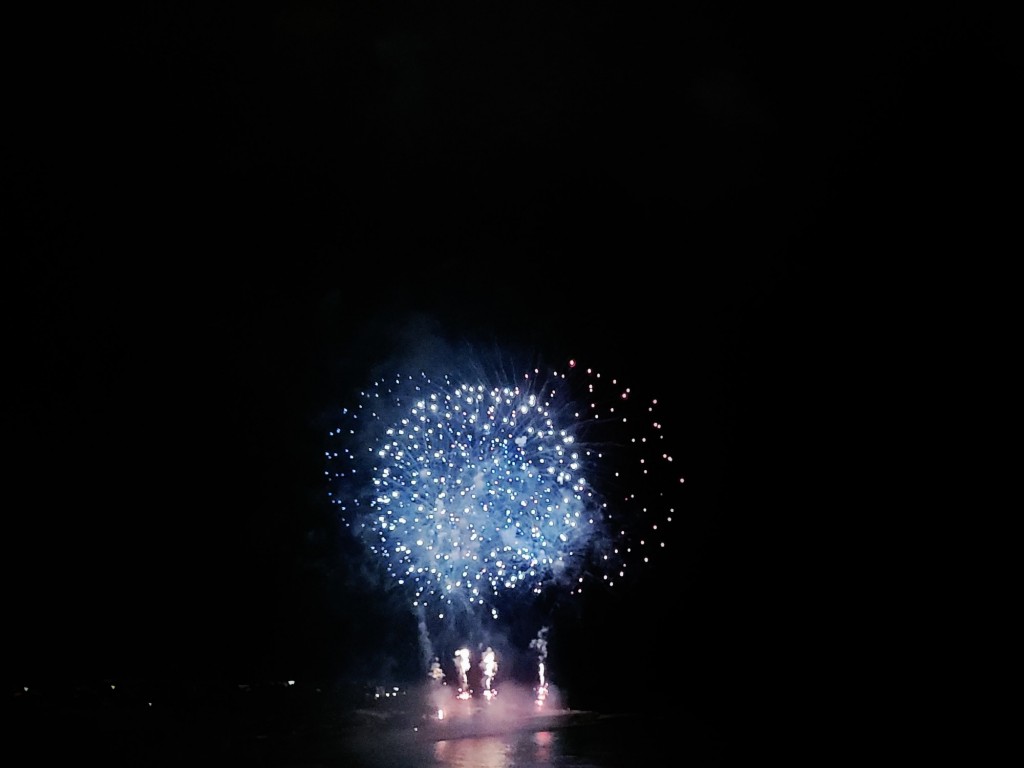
point(473, 493)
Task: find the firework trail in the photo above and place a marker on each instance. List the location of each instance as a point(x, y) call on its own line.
point(540, 645)
point(477, 494)
point(462, 666)
point(489, 666)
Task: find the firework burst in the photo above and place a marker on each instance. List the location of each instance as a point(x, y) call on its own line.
point(476, 493)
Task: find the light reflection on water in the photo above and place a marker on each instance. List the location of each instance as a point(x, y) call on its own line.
point(518, 751)
point(613, 743)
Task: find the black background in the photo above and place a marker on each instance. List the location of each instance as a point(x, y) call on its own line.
point(790, 225)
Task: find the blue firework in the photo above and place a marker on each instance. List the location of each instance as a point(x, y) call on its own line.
point(474, 493)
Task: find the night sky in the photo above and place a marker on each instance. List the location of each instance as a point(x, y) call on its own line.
point(228, 218)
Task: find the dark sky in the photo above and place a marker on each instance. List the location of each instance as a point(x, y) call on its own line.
point(227, 215)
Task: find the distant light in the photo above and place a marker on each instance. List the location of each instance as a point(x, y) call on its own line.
point(291, 682)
